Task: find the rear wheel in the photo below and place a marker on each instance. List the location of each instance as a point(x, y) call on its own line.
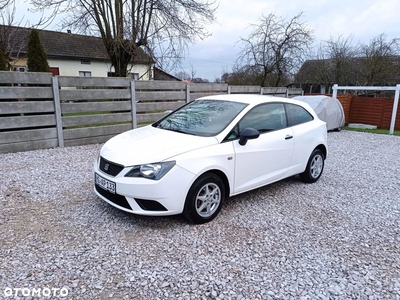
point(204, 199)
point(314, 168)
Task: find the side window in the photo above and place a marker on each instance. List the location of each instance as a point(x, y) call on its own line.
point(233, 135)
point(297, 115)
point(265, 117)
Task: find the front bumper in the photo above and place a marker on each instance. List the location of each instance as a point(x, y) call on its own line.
point(145, 196)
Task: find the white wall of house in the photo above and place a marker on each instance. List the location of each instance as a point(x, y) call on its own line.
point(73, 67)
point(145, 72)
point(70, 67)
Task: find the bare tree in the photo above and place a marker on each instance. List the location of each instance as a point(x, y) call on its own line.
point(11, 39)
point(335, 61)
point(10, 42)
point(192, 71)
point(244, 75)
point(341, 54)
point(7, 16)
point(126, 25)
point(318, 70)
point(183, 75)
point(379, 60)
point(224, 76)
point(5, 3)
point(275, 49)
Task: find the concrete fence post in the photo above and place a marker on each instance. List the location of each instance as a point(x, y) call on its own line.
point(57, 110)
point(133, 104)
point(187, 92)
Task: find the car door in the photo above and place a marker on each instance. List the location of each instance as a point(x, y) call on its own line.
point(267, 158)
point(305, 133)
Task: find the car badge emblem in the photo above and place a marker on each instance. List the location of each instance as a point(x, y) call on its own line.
point(106, 166)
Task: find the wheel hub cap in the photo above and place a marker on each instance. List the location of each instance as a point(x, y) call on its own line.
point(208, 200)
point(316, 166)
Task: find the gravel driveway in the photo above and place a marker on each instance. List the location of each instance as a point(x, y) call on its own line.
point(336, 239)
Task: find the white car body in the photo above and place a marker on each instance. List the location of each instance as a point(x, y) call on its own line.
point(270, 157)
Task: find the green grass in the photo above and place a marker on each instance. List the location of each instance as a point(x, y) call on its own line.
point(378, 131)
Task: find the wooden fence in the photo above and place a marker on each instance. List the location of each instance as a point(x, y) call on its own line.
point(373, 111)
point(376, 111)
point(39, 111)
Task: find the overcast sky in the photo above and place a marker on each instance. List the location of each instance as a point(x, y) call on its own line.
point(211, 57)
point(363, 19)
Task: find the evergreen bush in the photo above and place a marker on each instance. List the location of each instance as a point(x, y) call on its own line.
point(37, 58)
point(3, 62)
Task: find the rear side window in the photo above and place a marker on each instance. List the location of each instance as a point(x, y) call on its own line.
point(297, 115)
point(265, 117)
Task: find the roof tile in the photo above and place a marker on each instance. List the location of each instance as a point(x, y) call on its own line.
point(65, 45)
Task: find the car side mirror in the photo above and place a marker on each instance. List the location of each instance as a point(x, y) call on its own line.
point(248, 134)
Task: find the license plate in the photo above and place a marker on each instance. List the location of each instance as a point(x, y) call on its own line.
point(104, 183)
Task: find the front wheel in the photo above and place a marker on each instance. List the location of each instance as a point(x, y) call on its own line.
point(314, 168)
point(204, 199)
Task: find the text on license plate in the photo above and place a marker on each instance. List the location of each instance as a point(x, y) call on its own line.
point(104, 183)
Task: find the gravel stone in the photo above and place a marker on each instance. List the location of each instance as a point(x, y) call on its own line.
point(336, 239)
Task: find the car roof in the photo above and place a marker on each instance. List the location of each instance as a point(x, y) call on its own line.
point(252, 99)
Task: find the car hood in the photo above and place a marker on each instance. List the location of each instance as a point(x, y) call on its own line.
point(149, 144)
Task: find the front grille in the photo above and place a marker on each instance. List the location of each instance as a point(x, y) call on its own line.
point(114, 198)
point(109, 167)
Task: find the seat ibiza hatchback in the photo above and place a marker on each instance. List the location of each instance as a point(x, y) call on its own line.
point(190, 161)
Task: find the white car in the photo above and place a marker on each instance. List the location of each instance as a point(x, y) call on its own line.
point(214, 147)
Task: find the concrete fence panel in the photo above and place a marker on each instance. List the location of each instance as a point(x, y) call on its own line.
point(94, 109)
point(40, 111)
point(27, 112)
point(240, 89)
point(198, 90)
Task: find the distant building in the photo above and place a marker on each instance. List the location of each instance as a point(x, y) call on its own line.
point(71, 54)
point(162, 75)
point(319, 75)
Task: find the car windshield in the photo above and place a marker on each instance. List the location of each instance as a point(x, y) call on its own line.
point(202, 117)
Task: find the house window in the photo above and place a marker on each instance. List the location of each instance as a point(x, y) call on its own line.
point(85, 73)
point(19, 69)
point(86, 61)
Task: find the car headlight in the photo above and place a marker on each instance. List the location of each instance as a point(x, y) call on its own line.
point(151, 171)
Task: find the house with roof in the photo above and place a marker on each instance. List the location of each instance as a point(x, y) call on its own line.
point(319, 75)
point(71, 54)
point(162, 75)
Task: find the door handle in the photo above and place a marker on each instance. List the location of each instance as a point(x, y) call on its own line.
point(288, 137)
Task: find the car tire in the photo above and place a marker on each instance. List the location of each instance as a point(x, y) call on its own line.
point(204, 199)
point(314, 168)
